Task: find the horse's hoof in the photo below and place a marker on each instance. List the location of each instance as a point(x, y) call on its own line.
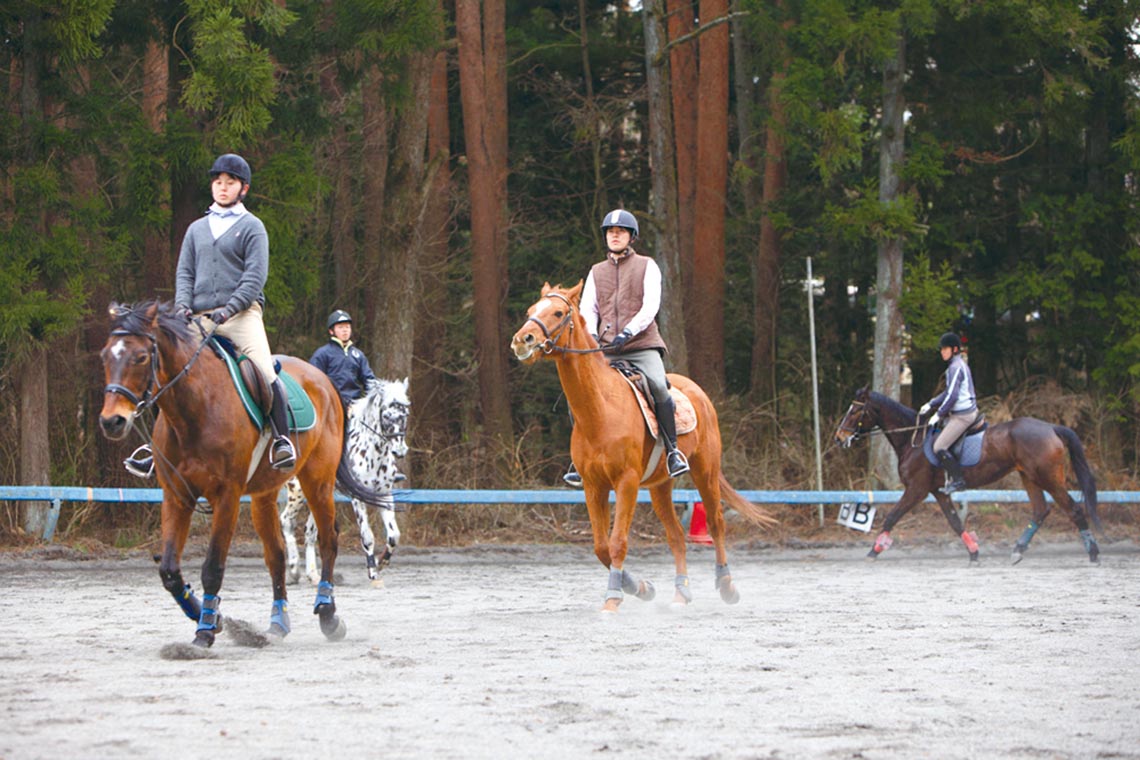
point(204, 639)
point(680, 600)
point(872, 554)
point(611, 606)
point(1017, 554)
point(377, 583)
point(974, 559)
point(334, 629)
point(646, 591)
point(276, 633)
point(728, 590)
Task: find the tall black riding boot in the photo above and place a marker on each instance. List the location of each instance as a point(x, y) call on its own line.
point(675, 461)
point(956, 480)
point(282, 455)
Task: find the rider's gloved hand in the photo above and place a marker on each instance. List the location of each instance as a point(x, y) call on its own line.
point(924, 409)
point(622, 338)
point(219, 316)
point(183, 311)
point(933, 419)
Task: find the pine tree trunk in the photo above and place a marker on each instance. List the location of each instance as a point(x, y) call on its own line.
point(663, 188)
point(707, 318)
point(482, 85)
point(683, 91)
point(888, 284)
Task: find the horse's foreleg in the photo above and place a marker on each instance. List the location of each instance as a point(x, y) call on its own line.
point(263, 510)
point(911, 496)
point(662, 498)
point(969, 539)
point(214, 566)
point(367, 539)
point(619, 580)
point(322, 508)
point(175, 529)
point(289, 514)
point(1040, 511)
point(598, 509)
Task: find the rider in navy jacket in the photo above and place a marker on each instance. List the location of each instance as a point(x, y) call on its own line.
point(345, 364)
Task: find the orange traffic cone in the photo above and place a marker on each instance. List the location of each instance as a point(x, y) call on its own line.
point(698, 525)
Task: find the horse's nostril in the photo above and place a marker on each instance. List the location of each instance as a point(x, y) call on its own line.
point(528, 339)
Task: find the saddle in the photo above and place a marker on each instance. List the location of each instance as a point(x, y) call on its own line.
point(684, 413)
point(256, 394)
point(967, 449)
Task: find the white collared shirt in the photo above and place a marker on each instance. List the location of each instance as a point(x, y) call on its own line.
point(221, 219)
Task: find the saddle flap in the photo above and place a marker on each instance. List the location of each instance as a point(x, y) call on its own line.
point(684, 414)
point(259, 390)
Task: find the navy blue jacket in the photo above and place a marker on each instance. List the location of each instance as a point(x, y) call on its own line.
point(346, 366)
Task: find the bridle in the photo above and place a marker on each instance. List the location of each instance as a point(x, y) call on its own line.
point(857, 431)
point(148, 399)
point(549, 345)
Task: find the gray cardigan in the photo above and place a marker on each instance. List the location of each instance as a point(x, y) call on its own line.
point(229, 271)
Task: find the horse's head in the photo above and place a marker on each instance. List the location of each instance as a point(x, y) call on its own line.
point(858, 421)
point(549, 323)
point(130, 358)
point(383, 411)
point(131, 361)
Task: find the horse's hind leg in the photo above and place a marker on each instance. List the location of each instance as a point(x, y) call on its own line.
point(1040, 512)
point(662, 498)
point(946, 504)
point(289, 514)
point(391, 536)
point(367, 539)
point(263, 510)
point(322, 508)
point(1077, 515)
point(312, 568)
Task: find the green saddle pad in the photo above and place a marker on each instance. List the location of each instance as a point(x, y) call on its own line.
point(302, 415)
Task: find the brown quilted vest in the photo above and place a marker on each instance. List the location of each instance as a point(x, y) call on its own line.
point(620, 286)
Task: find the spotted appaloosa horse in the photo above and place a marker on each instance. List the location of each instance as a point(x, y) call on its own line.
point(613, 449)
point(1033, 447)
point(377, 430)
point(206, 446)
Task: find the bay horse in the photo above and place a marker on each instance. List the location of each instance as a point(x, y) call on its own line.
point(611, 446)
point(205, 445)
point(377, 437)
point(1033, 447)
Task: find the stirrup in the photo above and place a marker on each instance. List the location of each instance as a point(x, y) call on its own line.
point(141, 462)
point(572, 477)
point(282, 455)
point(676, 463)
point(953, 486)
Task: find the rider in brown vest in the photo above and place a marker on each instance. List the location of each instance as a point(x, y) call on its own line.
point(619, 303)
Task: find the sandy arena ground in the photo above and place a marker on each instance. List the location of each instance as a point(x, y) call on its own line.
point(501, 652)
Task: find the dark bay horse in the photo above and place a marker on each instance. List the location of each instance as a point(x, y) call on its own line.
point(612, 446)
point(1033, 447)
point(206, 446)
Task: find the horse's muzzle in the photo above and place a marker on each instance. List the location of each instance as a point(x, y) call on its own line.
point(115, 427)
point(524, 346)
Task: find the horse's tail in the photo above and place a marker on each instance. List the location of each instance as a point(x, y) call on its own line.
point(1081, 470)
point(348, 482)
point(753, 512)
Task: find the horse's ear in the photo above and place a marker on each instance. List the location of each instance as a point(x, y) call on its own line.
point(405, 384)
point(575, 293)
point(546, 287)
point(152, 314)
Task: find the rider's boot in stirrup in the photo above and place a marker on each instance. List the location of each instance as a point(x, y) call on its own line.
point(282, 455)
point(572, 477)
point(141, 462)
point(955, 480)
point(675, 461)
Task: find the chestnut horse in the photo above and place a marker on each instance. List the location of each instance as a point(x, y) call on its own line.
point(1033, 447)
point(205, 445)
point(611, 447)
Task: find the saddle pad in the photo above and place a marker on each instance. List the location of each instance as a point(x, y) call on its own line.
point(684, 414)
point(967, 449)
point(302, 415)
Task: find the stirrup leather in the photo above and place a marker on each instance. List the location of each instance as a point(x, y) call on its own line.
point(141, 462)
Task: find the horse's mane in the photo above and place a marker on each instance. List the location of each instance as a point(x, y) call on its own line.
point(894, 407)
point(139, 318)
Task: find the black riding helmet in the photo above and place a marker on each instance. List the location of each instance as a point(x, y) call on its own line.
point(233, 165)
point(950, 340)
point(338, 316)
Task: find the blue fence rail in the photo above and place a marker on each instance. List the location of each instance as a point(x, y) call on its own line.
point(59, 494)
